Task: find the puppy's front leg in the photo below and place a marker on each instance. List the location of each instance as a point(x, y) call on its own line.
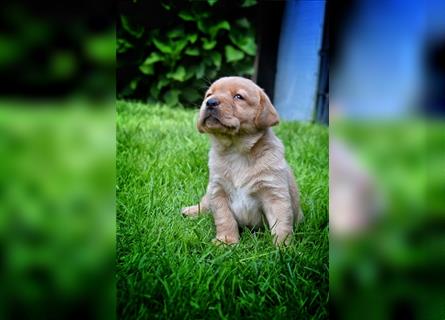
point(192, 211)
point(278, 211)
point(226, 225)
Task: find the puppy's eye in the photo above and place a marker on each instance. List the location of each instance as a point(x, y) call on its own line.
point(238, 97)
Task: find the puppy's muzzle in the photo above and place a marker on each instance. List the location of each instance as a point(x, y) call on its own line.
point(211, 113)
point(212, 108)
point(212, 103)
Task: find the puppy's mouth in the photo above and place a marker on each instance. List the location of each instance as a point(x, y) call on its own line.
point(212, 120)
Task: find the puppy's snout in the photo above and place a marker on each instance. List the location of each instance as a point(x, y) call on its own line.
point(212, 103)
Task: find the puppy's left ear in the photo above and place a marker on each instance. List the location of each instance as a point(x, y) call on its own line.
point(267, 115)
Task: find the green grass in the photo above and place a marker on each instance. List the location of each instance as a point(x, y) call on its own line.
point(167, 266)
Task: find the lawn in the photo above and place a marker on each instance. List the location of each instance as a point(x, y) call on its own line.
point(167, 266)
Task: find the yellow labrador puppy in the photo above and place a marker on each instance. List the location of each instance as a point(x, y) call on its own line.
point(248, 176)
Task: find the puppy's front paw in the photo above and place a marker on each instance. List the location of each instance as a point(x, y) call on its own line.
point(192, 211)
point(283, 240)
point(219, 240)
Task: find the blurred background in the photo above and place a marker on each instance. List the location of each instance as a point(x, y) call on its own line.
point(57, 140)
point(57, 146)
point(170, 51)
point(387, 156)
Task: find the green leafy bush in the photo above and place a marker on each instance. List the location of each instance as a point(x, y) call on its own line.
point(169, 51)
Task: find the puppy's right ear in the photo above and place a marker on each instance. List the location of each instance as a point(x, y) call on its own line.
point(267, 115)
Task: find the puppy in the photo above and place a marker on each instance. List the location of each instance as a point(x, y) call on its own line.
point(248, 176)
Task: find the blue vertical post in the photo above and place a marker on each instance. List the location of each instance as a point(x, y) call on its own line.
point(298, 59)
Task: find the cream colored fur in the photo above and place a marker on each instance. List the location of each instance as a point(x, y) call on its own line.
point(249, 178)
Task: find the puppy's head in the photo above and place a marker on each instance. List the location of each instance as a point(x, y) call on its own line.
point(235, 106)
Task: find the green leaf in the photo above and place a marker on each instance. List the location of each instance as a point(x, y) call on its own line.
point(246, 69)
point(178, 45)
point(153, 58)
point(246, 43)
point(133, 30)
point(191, 94)
point(200, 71)
point(189, 75)
point(208, 61)
point(167, 6)
point(192, 37)
point(203, 26)
point(171, 97)
point(244, 23)
point(162, 83)
point(186, 15)
point(130, 88)
point(134, 83)
point(163, 47)
point(192, 51)
point(178, 74)
point(151, 35)
point(249, 46)
point(147, 66)
point(147, 69)
point(200, 14)
point(208, 44)
point(233, 54)
point(175, 33)
point(248, 3)
point(216, 57)
point(197, 70)
point(213, 30)
point(211, 74)
point(123, 45)
point(212, 2)
point(154, 91)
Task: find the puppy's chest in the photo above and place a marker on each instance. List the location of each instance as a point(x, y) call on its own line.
point(240, 189)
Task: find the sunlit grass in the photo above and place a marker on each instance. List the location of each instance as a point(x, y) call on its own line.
point(167, 266)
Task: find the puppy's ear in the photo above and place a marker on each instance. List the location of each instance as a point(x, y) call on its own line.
point(267, 115)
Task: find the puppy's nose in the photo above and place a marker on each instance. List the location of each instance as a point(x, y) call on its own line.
point(212, 102)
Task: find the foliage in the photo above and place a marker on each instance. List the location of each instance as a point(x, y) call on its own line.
point(167, 266)
point(57, 221)
point(59, 51)
point(169, 51)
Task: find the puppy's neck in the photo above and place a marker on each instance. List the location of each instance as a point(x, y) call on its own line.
point(243, 144)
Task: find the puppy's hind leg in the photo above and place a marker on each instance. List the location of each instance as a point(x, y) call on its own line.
point(195, 210)
point(294, 198)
